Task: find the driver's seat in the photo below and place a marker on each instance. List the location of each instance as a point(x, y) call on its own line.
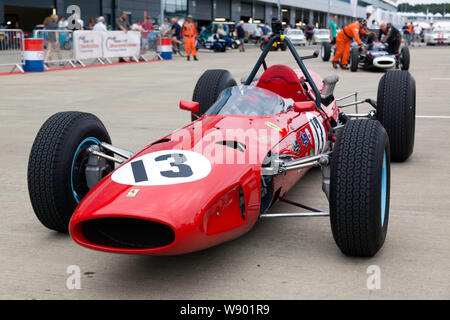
point(283, 81)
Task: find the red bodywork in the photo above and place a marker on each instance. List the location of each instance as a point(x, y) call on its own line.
point(206, 212)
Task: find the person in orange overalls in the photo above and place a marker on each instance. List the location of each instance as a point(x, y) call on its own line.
point(189, 33)
point(343, 42)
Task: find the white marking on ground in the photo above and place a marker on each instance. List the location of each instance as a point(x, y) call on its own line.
point(434, 117)
point(440, 79)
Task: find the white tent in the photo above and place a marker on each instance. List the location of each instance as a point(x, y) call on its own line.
point(447, 15)
point(438, 15)
point(421, 15)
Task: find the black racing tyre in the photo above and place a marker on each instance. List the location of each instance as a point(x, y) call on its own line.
point(56, 179)
point(283, 46)
point(354, 59)
point(209, 86)
point(404, 58)
point(360, 187)
point(262, 46)
point(325, 51)
point(396, 110)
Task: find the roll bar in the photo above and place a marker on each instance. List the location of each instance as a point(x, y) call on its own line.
point(298, 59)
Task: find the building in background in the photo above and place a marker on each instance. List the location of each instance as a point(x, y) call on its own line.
point(26, 13)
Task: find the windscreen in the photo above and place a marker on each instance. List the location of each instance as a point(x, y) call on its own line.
point(249, 101)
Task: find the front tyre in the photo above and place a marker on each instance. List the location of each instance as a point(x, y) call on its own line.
point(360, 188)
point(208, 88)
point(396, 110)
point(404, 58)
point(354, 59)
point(325, 51)
point(57, 163)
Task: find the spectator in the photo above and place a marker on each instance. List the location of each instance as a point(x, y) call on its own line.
point(164, 29)
point(146, 27)
point(309, 33)
point(137, 26)
point(53, 39)
point(406, 34)
point(240, 33)
point(417, 32)
point(62, 24)
point(122, 22)
point(176, 32)
point(123, 25)
point(100, 25)
point(91, 24)
point(257, 34)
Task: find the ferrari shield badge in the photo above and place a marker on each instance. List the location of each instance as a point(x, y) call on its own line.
point(132, 193)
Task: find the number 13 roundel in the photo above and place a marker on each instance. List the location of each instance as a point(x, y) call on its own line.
point(163, 168)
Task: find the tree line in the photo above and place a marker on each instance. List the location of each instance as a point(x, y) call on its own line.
point(432, 7)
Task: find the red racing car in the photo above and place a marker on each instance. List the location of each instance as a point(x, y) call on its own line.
point(212, 180)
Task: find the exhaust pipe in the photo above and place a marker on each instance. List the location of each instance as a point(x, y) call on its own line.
point(384, 62)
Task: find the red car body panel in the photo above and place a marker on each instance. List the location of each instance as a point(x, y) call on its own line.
point(206, 212)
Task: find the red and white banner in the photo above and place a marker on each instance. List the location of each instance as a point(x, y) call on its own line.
point(87, 44)
point(121, 44)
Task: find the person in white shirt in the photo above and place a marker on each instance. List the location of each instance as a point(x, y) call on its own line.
point(137, 26)
point(100, 25)
point(417, 32)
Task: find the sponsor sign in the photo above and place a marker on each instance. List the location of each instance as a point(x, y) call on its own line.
point(120, 44)
point(87, 45)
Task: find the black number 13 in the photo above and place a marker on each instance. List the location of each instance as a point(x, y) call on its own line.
point(184, 170)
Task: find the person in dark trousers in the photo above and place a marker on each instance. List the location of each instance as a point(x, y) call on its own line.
point(240, 32)
point(123, 25)
point(392, 37)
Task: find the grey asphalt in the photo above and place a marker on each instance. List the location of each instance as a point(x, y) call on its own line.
point(290, 258)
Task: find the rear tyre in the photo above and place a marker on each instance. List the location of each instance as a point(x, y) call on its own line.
point(354, 59)
point(209, 87)
point(283, 46)
point(56, 179)
point(325, 51)
point(396, 110)
point(359, 188)
point(404, 58)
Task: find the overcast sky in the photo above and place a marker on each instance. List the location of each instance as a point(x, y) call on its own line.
point(423, 1)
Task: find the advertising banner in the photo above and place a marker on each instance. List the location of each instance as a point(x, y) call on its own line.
point(121, 44)
point(87, 45)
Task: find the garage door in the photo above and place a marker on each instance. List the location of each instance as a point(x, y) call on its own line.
point(259, 11)
point(223, 9)
point(246, 9)
point(203, 10)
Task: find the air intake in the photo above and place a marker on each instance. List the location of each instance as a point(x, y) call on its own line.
point(127, 233)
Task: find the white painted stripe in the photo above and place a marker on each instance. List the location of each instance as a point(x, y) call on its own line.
point(434, 117)
point(164, 48)
point(33, 55)
point(440, 79)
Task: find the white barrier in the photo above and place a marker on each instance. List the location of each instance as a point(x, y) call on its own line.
point(87, 45)
point(118, 44)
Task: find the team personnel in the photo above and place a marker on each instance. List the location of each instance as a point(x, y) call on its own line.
point(392, 37)
point(344, 40)
point(189, 32)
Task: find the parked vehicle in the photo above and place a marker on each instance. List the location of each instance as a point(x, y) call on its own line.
point(320, 36)
point(296, 35)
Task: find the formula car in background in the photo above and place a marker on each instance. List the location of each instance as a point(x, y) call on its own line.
point(376, 56)
point(296, 36)
point(435, 37)
point(212, 180)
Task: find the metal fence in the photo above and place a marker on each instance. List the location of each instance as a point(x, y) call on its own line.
point(57, 44)
point(59, 48)
point(11, 48)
